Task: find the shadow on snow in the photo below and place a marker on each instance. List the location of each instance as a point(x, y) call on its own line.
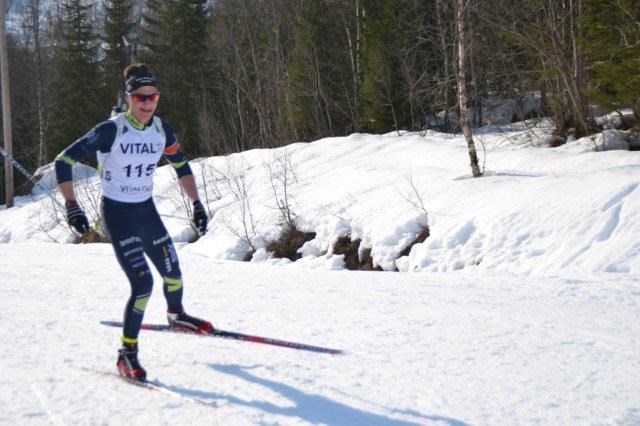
point(310, 407)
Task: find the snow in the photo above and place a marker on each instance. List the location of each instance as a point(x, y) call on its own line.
point(495, 111)
point(570, 209)
point(521, 307)
point(421, 348)
point(614, 120)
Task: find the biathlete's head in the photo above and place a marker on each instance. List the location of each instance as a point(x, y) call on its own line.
point(141, 87)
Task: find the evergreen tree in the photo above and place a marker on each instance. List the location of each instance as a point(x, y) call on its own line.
point(385, 105)
point(613, 47)
point(247, 80)
point(119, 39)
point(321, 75)
point(79, 100)
point(174, 40)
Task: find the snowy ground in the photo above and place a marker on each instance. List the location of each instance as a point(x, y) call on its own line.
point(422, 348)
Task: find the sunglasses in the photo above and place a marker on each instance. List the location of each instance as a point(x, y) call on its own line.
point(138, 97)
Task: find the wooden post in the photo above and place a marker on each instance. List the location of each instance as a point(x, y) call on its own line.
point(6, 105)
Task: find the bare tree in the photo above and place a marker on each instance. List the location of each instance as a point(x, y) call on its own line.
point(34, 21)
point(549, 33)
point(183, 207)
point(239, 186)
point(463, 73)
point(282, 175)
point(415, 197)
point(210, 181)
point(50, 215)
point(447, 52)
point(354, 36)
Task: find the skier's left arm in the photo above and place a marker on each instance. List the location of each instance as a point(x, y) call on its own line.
point(178, 160)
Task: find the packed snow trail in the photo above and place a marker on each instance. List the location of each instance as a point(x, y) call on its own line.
point(422, 348)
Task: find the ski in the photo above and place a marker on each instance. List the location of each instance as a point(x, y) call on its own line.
point(155, 386)
point(236, 336)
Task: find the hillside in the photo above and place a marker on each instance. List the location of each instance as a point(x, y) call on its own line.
point(570, 209)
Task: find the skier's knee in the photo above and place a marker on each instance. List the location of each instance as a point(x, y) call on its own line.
point(172, 284)
point(141, 292)
point(140, 302)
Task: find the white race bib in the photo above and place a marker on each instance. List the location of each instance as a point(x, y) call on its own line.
point(127, 171)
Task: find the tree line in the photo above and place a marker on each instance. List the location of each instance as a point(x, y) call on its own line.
point(242, 74)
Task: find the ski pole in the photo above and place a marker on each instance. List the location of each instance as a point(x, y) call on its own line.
point(28, 175)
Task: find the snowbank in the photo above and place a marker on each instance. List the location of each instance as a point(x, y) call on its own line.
point(537, 210)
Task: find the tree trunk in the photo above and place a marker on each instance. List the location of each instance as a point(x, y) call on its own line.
point(463, 95)
point(34, 12)
point(445, 56)
point(6, 107)
point(582, 108)
point(42, 140)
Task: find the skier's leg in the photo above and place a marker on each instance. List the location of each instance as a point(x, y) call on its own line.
point(132, 261)
point(130, 254)
point(159, 248)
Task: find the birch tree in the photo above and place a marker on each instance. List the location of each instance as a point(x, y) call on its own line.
point(463, 73)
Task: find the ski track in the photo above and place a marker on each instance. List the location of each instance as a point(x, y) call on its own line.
point(42, 400)
point(451, 349)
point(619, 198)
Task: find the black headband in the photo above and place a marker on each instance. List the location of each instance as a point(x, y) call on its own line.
point(136, 81)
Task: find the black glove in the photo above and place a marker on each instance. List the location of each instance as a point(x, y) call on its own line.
point(76, 217)
point(200, 217)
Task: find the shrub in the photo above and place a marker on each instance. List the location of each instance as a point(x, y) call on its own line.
point(366, 261)
point(248, 255)
point(289, 242)
point(352, 258)
point(91, 237)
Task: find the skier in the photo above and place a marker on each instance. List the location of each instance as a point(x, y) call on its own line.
point(128, 147)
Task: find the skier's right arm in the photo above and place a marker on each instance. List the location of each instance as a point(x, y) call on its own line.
point(100, 138)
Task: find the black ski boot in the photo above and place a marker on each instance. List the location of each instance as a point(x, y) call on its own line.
point(128, 365)
point(184, 322)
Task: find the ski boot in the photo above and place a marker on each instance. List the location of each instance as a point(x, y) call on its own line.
point(187, 323)
point(128, 365)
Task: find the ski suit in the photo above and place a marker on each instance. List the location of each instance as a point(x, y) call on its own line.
point(128, 153)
